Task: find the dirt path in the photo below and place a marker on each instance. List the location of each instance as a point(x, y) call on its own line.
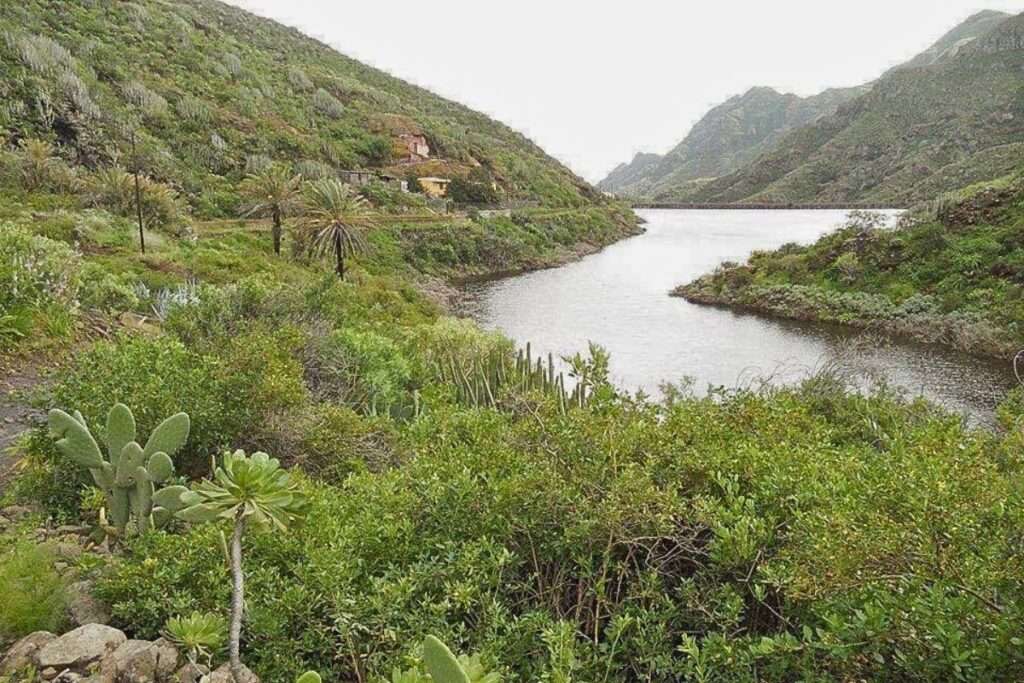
point(16, 415)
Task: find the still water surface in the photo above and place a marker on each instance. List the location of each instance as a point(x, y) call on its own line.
point(619, 299)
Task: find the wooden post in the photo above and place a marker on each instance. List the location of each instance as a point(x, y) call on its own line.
point(138, 194)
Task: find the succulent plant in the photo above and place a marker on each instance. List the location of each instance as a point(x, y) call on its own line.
point(479, 382)
point(309, 677)
point(130, 473)
point(442, 665)
point(248, 490)
point(199, 634)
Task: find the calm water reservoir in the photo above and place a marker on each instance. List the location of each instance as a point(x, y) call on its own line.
point(619, 299)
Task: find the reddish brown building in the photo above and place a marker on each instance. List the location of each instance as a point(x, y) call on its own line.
point(417, 146)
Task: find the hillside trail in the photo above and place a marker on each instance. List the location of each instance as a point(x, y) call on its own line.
point(17, 381)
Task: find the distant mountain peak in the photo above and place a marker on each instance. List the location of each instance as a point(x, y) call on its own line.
point(730, 135)
point(953, 118)
point(748, 125)
point(949, 45)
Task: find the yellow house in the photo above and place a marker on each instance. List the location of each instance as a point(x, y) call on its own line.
point(434, 187)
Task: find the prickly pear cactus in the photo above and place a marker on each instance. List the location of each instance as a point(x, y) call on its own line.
point(441, 664)
point(309, 677)
point(130, 474)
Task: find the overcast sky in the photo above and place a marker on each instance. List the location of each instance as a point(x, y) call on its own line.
point(594, 84)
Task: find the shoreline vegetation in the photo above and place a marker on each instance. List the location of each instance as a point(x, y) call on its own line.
point(947, 273)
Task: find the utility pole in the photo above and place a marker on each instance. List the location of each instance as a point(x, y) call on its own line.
point(138, 194)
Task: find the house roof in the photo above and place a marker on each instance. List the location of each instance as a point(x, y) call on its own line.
point(436, 180)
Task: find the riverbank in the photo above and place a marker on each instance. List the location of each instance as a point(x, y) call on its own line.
point(443, 258)
point(875, 313)
point(949, 272)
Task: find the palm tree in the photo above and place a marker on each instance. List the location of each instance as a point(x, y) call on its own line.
point(272, 192)
point(337, 218)
point(245, 490)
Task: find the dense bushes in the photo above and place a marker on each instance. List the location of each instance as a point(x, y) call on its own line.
point(39, 285)
point(806, 533)
point(36, 271)
point(478, 188)
point(114, 189)
point(524, 240)
point(157, 377)
point(796, 534)
point(799, 534)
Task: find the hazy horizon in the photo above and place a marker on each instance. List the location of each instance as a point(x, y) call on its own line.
point(595, 86)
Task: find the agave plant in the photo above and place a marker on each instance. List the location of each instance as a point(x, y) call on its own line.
point(38, 162)
point(112, 187)
point(199, 634)
point(337, 217)
point(272, 192)
point(247, 491)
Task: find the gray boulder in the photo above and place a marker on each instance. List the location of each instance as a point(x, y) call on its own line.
point(191, 673)
point(22, 653)
point(70, 677)
point(223, 675)
point(139, 661)
point(79, 648)
point(83, 607)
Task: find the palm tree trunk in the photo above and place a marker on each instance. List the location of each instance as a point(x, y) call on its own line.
point(237, 598)
point(339, 257)
point(277, 231)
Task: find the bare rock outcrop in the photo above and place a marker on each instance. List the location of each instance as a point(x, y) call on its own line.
point(78, 649)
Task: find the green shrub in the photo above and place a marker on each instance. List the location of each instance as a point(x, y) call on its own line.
point(14, 327)
point(107, 291)
point(476, 189)
point(260, 366)
point(328, 104)
point(159, 377)
point(363, 369)
point(784, 535)
point(31, 591)
point(36, 271)
point(114, 189)
point(335, 441)
point(39, 169)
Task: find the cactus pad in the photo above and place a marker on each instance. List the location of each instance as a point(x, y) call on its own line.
point(128, 476)
point(441, 663)
point(74, 439)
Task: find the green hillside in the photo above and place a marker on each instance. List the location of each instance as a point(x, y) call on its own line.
point(918, 131)
point(725, 139)
point(410, 474)
point(952, 272)
point(211, 88)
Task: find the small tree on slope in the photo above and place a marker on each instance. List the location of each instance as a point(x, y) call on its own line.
point(248, 491)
